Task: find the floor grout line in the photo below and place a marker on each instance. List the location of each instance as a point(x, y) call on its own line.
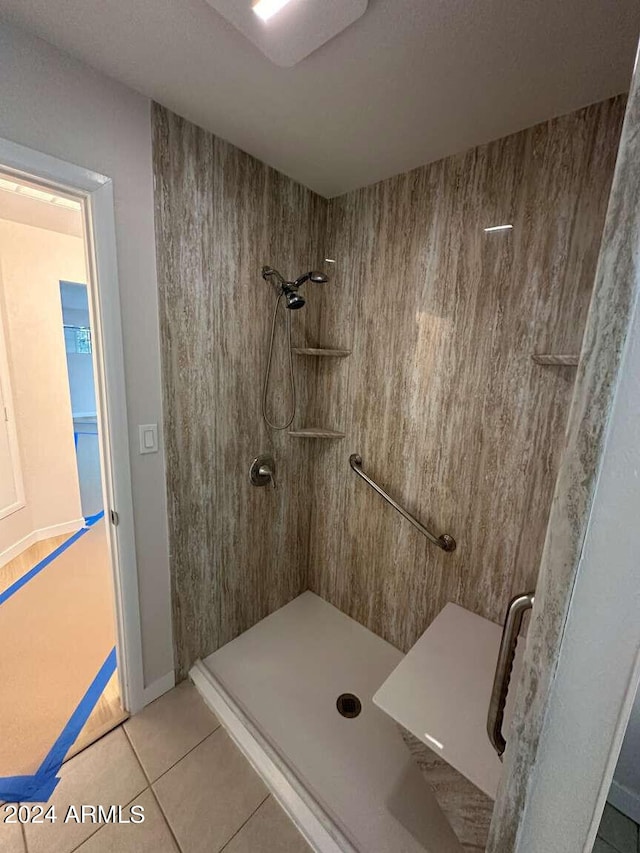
point(166, 819)
point(104, 825)
point(188, 752)
point(155, 796)
point(149, 787)
point(153, 793)
point(242, 826)
point(100, 826)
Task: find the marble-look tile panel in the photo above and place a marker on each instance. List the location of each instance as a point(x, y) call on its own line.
point(237, 552)
point(616, 289)
point(467, 808)
point(440, 395)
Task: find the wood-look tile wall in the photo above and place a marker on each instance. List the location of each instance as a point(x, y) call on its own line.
point(237, 552)
point(440, 396)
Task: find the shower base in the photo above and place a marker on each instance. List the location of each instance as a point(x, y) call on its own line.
point(348, 782)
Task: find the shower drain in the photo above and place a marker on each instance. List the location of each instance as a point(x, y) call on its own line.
point(348, 705)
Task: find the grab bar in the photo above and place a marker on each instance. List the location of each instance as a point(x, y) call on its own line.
point(512, 624)
point(446, 542)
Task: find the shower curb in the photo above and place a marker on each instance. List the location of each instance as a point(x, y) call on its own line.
point(312, 821)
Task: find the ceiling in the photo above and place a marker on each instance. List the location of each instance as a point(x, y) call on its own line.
point(408, 83)
point(40, 210)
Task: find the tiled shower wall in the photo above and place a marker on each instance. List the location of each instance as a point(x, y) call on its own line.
point(237, 552)
point(440, 395)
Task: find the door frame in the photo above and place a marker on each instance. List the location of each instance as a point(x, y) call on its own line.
point(7, 402)
point(95, 191)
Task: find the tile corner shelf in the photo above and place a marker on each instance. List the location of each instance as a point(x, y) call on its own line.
point(558, 360)
point(315, 432)
point(322, 352)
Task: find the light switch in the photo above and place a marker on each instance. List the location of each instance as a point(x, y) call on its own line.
point(148, 438)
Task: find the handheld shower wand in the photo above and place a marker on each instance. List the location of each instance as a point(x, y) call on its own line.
point(293, 300)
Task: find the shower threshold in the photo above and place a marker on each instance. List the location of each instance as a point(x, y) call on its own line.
point(348, 782)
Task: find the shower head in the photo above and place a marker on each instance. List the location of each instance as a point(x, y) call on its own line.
point(314, 277)
point(289, 289)
point(294, 299)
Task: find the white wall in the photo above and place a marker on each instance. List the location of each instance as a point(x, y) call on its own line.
point(32, 262)
point(63, 108)
point(625, 788)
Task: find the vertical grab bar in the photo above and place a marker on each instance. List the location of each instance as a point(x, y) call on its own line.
point(512, 624)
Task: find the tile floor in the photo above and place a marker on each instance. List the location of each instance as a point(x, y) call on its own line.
point(617, 833)
point(199, 793)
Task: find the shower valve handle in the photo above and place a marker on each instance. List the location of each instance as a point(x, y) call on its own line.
point(266, 471)
point(262, 471)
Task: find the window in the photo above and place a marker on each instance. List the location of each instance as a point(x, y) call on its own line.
point(77, 339)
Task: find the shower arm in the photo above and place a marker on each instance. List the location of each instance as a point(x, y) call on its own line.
point(446, 542)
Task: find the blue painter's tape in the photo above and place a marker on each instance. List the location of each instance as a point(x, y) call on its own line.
point(39, 787)
point(89, 521)
point(11, 590)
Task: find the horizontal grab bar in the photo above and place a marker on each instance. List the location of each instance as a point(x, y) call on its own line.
point(446, 542)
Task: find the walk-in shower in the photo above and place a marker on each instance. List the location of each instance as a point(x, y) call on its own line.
point(293, 300)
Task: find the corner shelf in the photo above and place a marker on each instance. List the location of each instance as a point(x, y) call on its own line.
point(326, 353)
point(315, 432)
point(558, 360)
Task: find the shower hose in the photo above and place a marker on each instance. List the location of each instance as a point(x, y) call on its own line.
point(268, 371)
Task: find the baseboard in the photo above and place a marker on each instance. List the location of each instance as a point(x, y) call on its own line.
point(38, 536)
point(625, 800)
point(59, 529)
point(313, 823)
point(158, 687)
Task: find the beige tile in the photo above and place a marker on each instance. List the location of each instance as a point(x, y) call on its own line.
point(269, 830)
point(11, 840)
point(151, 836)
point(208, 795)
point(168, 728)
point(618, 830)
point(107, 773)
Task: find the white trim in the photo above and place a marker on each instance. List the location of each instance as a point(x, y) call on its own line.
point(113, 431)
point(96, 193)
point(38, 536)
point(6, 400)
point(21, 545)
point(14, 507)
point(315, 825)
point(158, 688)
point(59, 529)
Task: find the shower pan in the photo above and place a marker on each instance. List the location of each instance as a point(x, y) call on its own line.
point(302, 711)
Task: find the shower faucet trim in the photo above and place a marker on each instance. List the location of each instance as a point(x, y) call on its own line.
point(262, 471)
point(289, 289)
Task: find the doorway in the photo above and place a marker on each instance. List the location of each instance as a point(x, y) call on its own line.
point(78, 344)
point(59, 573)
